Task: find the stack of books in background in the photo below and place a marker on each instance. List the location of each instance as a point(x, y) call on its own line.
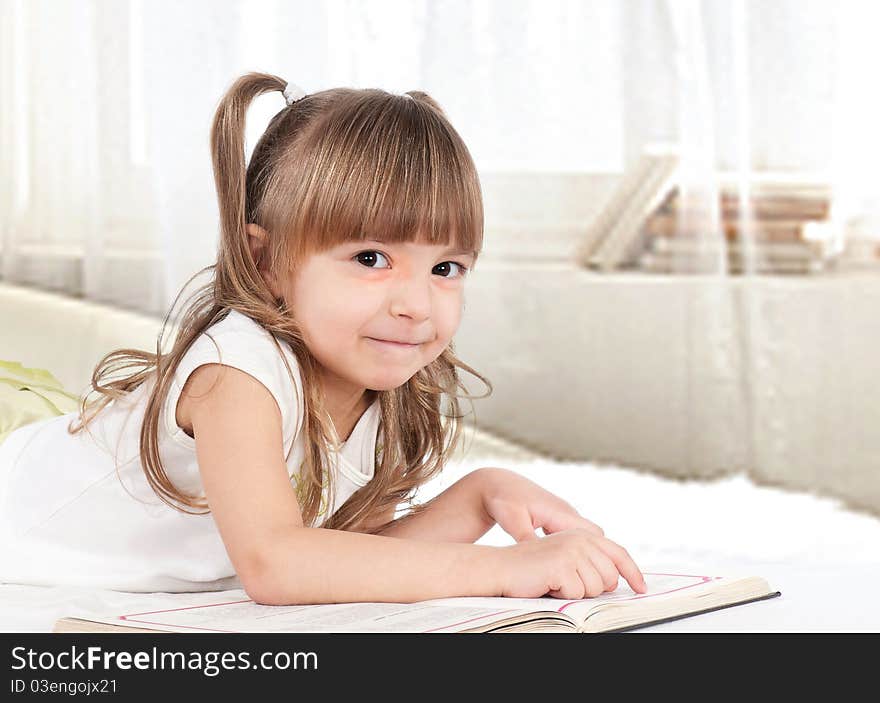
point(776, 227)
point(861, 250)
point(777, 224)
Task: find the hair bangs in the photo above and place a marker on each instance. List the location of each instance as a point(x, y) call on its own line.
point(388, 169)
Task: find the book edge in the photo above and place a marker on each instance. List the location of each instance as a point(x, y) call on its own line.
point(680, 616)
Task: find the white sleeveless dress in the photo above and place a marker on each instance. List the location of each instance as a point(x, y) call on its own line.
point(71, 515)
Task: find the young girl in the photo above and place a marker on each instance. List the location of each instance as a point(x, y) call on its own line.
point(310, 390)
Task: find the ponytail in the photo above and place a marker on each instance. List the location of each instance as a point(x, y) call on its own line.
point(230, 175)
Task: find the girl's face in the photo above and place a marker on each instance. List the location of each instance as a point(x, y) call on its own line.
point(374, 313)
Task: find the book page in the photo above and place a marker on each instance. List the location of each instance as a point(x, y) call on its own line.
point(659, 585)
point(437, 615)
point(247, 616)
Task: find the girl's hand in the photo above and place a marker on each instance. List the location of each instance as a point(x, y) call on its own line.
point(578, 561)
point(520, 506)
point(571, 564)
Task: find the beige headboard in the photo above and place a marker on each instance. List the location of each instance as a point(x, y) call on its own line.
point(65, 335)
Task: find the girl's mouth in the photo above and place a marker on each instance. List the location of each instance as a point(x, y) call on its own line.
point(393, 345)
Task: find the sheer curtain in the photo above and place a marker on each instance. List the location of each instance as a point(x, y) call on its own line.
point(777, 378)
point(105, 107)
point(105, 110)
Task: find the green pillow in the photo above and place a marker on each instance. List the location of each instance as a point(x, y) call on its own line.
point(28, 395)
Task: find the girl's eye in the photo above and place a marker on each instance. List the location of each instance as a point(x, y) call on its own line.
point(462, 269)
point(369, 256)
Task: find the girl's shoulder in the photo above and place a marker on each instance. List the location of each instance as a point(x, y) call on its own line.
point(237, 333)
point(239, 341)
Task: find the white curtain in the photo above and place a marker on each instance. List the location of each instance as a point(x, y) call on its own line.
point(107, 190)
point(105, 106)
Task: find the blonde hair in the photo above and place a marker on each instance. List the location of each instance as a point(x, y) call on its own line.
point(338, 165)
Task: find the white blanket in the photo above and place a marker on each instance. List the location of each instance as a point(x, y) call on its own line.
point(823, 558)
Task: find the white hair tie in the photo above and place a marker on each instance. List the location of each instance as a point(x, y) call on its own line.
point(292, 93)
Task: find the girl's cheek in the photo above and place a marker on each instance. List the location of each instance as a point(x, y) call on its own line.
point(454, 310)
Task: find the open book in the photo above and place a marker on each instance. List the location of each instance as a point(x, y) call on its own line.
point(669, 596)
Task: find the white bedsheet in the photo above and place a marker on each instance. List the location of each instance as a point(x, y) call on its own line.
point(824, 559)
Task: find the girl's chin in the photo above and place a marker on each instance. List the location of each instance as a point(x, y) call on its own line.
point(387, 383)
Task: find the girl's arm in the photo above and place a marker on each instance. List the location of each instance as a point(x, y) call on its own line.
point(458, 514)
point(237, 428)
point(487, 497)
point(310, 565)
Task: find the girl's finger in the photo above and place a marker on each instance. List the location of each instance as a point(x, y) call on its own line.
point(591, 578)
point(605, 567)
point(571, 587)
point(593, 527)
point(519, 526)
point(576, 522)
point(624, 563)
point(557, 520)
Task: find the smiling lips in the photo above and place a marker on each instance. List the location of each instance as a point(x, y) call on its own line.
point(396, 345)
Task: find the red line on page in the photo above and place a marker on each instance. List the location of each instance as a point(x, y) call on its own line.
point(703, 579)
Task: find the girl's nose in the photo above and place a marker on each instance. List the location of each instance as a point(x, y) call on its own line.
point(411, 297)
